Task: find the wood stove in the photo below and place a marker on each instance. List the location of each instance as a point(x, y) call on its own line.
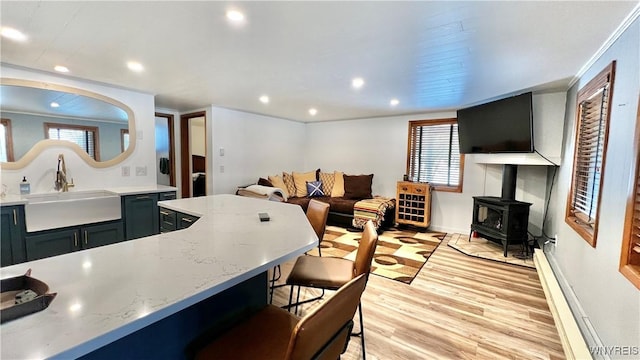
point(501, 220)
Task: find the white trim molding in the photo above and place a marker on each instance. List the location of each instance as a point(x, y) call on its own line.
point(573, 342)
point(633, 15)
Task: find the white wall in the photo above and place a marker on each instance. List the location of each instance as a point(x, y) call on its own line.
point(610, 302)
point(254, 146)
point(197, 136)
point(41, 171)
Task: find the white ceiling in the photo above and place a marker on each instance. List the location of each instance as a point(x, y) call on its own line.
point(431, 56)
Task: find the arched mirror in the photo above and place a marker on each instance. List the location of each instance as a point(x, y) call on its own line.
point(36, 115)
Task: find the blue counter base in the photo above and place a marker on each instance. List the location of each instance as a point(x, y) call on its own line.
point(173, 337)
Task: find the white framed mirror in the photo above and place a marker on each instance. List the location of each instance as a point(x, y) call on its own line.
point(37, 115)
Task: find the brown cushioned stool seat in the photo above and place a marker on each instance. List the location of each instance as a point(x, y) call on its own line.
point(321, 272)
point(272, 322)
point(276, 334)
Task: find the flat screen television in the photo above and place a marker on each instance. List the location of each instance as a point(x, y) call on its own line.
point(501, 126)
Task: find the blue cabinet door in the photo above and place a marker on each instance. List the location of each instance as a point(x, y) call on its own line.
point(102, 234)
point(141, 217)
point(51, 243)
point(12, 228)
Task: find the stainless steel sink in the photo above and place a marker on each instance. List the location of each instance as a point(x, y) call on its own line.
point(58, 210)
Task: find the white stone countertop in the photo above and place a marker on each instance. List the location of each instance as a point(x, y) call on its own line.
point(12, 199)
point(9, 200)
point(108, 292)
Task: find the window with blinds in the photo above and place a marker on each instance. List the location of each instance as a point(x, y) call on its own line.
point(433, 154)
point(6, 141)
point(84, 136)
point(592, 128)
point(630, 257)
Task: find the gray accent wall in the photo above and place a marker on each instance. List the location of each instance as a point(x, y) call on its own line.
point(605, 304)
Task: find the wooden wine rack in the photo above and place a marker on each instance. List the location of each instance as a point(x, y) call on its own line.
point(413, 204)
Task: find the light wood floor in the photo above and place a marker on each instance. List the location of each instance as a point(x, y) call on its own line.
point(458, 307)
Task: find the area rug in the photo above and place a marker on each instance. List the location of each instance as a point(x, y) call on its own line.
point(400, 254)
point(485, 249)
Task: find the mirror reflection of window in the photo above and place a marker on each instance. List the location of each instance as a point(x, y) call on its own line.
point(6, 144)
point(85, 136)
point(124, 139)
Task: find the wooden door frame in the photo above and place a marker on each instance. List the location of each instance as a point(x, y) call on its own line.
point(172, 146)
point(185, 150)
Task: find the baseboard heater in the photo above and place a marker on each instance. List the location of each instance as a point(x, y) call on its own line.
point(572, 340)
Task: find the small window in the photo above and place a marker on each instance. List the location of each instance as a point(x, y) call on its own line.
point(6, 141)
point(630, 258)
point(124, 139)
point(592, 129)
point(434, 155)
point(84, 136)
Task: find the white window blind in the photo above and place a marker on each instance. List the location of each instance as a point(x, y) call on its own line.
point(590, 152)
point(434, 155)
point(85, 137)
point(589, 155)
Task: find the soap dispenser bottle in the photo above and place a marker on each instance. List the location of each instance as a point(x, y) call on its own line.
point(25, 187)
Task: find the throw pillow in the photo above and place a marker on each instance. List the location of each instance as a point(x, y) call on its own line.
point(279, 183)
point(358, 187)
point(290, 185)
point(314, 188)
point(327, 182)
point(338, 184)
point(264, 182)
point(300, 180)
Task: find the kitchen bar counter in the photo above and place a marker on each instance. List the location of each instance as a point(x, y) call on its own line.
point(110, 292)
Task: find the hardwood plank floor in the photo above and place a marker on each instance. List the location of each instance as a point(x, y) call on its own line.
point(458, 307)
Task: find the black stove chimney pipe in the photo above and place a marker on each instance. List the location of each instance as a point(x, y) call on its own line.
point(509, 177)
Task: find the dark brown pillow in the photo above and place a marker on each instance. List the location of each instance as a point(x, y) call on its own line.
point(358, 187)
point(264, 182)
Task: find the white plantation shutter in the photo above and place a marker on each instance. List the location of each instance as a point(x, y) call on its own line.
point(84, 136)
point(434, 154)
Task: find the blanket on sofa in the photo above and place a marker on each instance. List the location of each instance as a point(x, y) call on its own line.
point(263, 192)
point(371, 209)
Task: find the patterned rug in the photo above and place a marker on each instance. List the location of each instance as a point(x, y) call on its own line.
point(400, 254)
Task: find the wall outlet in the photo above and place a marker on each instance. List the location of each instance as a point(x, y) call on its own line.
point(139, 135)
point(126, 170)
point(221, 169)
point(221, 151)
point(141, 171)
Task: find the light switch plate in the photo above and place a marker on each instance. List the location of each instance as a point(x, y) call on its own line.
point(126, 171)
point(141, 171)
point(221, 151)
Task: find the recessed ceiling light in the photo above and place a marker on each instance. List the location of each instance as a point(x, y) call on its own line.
point(235, 16)
point(135, 66)
point(357, 83)
point(264, 99)
point(60, 68)
point(13, 34)
point(394, 102)
point(313, 112)
point(54, 104)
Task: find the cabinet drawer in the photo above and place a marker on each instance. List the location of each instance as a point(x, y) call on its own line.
point(184, 220)
point(167, 196)
point(167, 220)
